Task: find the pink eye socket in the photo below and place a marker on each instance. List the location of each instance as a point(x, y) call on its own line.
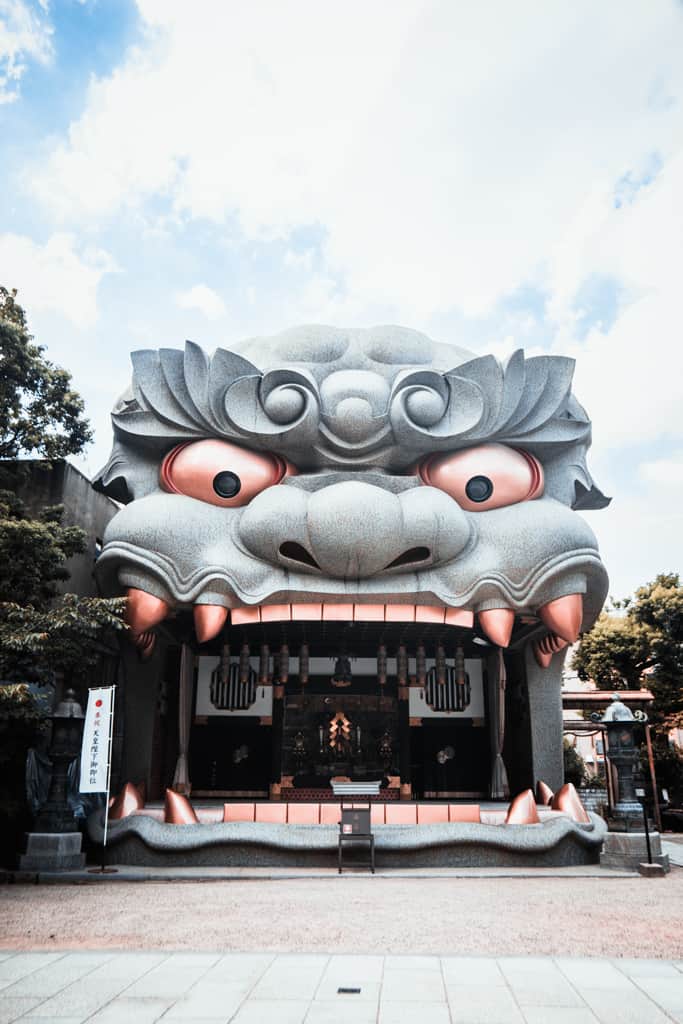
point(220, 473)
point(489, 476)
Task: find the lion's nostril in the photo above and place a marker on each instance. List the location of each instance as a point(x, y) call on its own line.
point(298, 553)
point(410, 557)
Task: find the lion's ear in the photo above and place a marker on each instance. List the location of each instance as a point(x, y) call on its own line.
point(588, 497)
point(568, 479)
point(130, 472)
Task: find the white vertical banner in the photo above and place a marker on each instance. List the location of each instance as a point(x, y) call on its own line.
point(97, 733)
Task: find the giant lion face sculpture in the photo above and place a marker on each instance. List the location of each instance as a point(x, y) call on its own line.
point(353, 473)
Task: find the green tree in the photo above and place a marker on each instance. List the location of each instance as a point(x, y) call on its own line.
point(33, 552)
point(640, 642)
point(67, 638)
point(43, 636)
point(40, 414)
point(574, 764)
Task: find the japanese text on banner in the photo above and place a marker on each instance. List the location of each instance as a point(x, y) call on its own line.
point(95, 749)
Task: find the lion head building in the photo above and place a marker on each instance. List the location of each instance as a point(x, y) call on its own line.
point(361, 552)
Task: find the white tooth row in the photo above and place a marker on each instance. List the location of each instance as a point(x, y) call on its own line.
point(329, 612)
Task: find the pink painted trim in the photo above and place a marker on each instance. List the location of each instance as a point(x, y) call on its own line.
point(368, 612)
point(400, 613)
point(459, 617)
point(307, 612)
point(337, 612)
point(429, 613)
point(276, 612)
point(246, 616)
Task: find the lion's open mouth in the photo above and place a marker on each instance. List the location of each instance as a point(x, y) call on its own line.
point(555, 625)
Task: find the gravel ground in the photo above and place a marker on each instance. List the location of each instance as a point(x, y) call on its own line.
point(497, 916)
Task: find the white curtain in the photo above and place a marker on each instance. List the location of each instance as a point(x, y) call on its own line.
point(181, 778)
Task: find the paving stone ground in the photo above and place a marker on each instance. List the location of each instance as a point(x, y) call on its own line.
point(106, 987)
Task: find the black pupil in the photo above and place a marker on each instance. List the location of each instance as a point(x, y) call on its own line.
point(478, 488)
point(226, 484)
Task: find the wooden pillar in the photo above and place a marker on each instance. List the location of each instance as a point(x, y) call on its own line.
point(653, 779)
point(276, 750)
point(181, 778)
point(499, 788)
point(404, 741)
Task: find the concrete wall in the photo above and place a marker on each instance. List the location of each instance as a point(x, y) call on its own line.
point(38, 484)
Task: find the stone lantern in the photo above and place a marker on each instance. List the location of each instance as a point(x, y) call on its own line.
point(625, 843)
point(55, 843)
point(620, 725)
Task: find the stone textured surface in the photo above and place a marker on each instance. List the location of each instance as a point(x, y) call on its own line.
point(143, 840)
point(355, 410)
point(420, 397)
point(58, 851)
point(544, 689)
point(629, 850)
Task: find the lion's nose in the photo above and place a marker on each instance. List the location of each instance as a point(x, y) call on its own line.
point(354, 529)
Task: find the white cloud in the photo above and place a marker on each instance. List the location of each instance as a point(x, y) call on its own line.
point(25, 35)
point(640, 533)
point(443, 150)
point(444, 156)
point(56, 276)
point(629, 376)
point(665, 473)
point(203, 298)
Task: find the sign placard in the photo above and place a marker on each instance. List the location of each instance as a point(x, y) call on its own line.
point(96, 741)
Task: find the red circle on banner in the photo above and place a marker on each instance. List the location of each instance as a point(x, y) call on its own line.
point(98, 703)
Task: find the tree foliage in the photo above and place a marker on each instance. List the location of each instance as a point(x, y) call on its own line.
point(67, 637)
point(43, 636)
point(40, 413)
point(574, 765)
point(640, 642)
point(33, 552)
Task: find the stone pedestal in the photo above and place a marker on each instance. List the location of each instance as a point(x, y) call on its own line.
point(629, 850)
point(651, 870)
point(52, 851)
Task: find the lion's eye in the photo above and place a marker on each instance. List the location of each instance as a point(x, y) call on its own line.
point(486, 477)
point(219, 472)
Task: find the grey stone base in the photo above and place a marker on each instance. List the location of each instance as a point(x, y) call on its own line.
point(133, 851)
point(52, 851)
point(629, 850)
point(651, 870)
point(140, 840)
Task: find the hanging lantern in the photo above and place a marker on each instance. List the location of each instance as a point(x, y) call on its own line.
point(264, 665)
point(342, 675)
point(284, 664)
point(220, 678)
point(244, 664)
point(402, 666)
point(303, 664)
point(420, 664)
point(225, 663)
point(440, 665)
point(382, 665)
point(460, 665)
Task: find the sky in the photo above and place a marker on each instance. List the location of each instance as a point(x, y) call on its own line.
point(497, 175)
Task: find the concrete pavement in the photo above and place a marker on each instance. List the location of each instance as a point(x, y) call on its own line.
point(265, 988)
point(673, 848)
